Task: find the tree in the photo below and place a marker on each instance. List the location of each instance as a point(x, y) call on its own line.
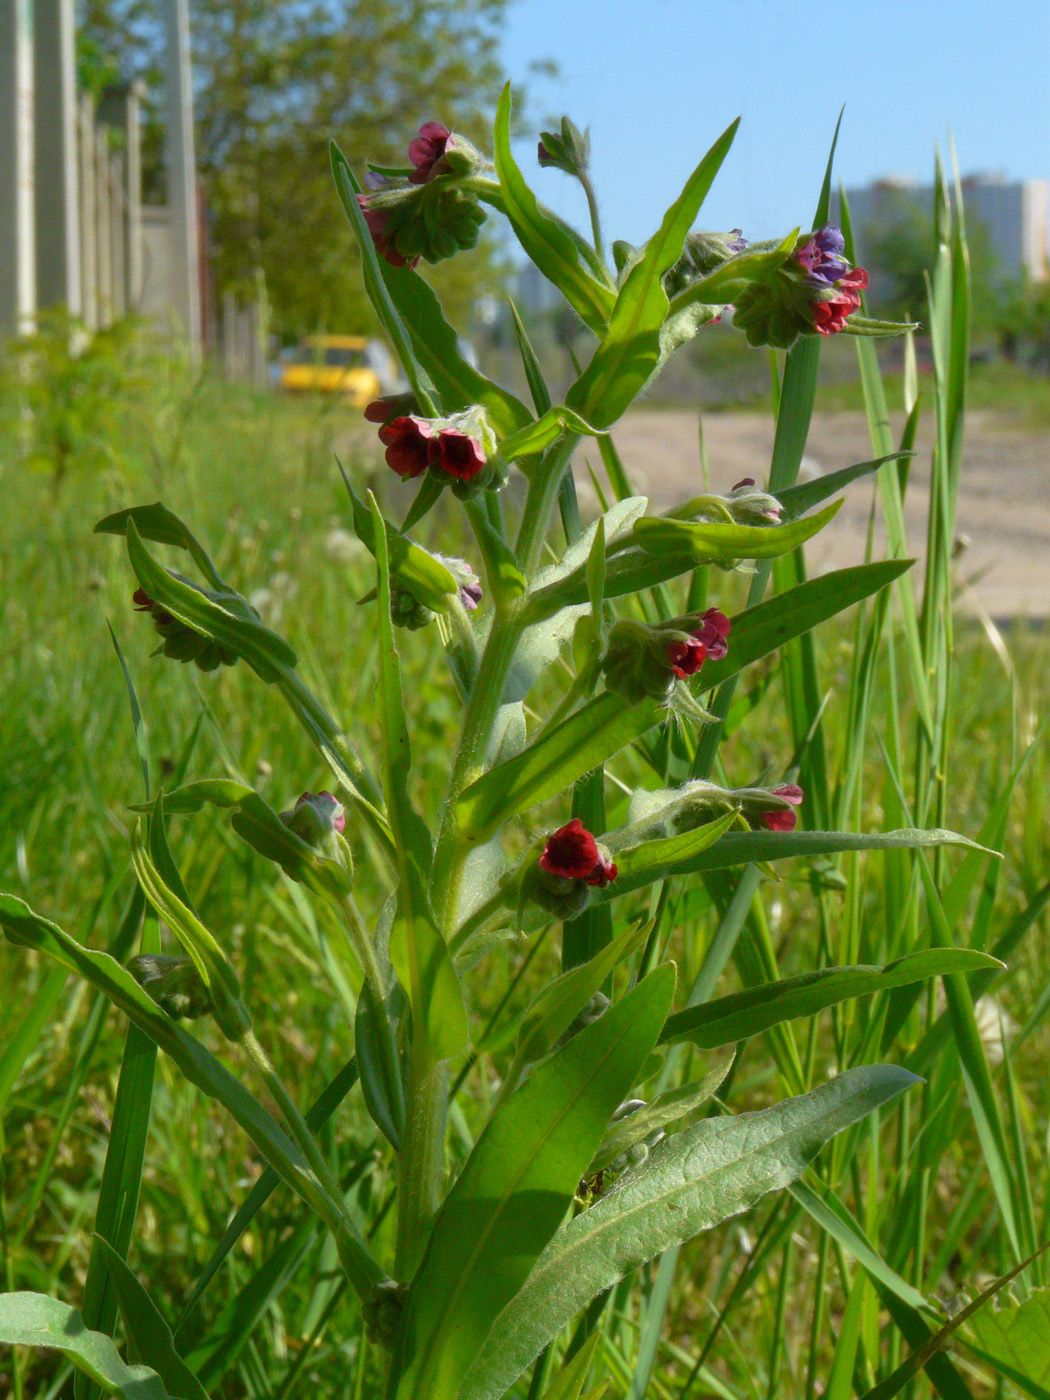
point(275, 80)
point(899, 252)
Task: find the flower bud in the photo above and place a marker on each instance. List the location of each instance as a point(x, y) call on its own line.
point(643, 662)
point(382, 1312)
point(173, 983)
point(750, 505)
point(569, 151)
point(702, 253)
point(571, 864)
point(314, 818)
point(406, 610)
point(772, 807)
point(385, 410)
point(180, 641)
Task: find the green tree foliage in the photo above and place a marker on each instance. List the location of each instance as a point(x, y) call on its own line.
point(899, 250)
point(275, 80)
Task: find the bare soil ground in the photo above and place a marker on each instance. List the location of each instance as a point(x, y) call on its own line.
point(1004, 504)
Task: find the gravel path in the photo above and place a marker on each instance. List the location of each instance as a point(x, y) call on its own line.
point(1004, 505)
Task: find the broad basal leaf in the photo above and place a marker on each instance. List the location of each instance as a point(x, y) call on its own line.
point(691, 1182)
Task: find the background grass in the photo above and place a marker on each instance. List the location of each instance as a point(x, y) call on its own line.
point(254, 477)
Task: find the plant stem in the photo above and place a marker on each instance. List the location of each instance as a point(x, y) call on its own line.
point(592, 209)
point(421, 1161)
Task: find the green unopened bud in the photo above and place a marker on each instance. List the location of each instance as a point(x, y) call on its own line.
point(570, 150)
point(406, 610)
point(702, 253)
point(173, 983)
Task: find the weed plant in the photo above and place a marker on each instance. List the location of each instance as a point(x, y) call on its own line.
point(517, 1157)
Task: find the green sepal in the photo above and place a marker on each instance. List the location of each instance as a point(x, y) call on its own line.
point(232, 622)
point(866, 325)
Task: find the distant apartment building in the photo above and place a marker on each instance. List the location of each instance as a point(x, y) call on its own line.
point(1013, 213)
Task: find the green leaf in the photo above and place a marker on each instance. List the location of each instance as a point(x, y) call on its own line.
point(756, 1009)
point(570, 1382)
point(630, 352)
point(418, 952)
point(215, 968)
point(606, 724)
point(535, 436)
point(157, 523)
point(1015, 1339)
point(557, 250)
point(669, 1112)
point(654, 860)
point(724, 542)
point(796, 500)
point(552, 1012)
point(232, 622)
point(516, 1186)
point(436, 347)
point(425, 577)
point(148, 1330)
point(34, 1320)
point(752, 847)
point(691, 1182)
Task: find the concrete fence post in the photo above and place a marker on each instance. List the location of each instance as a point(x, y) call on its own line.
point(88, 227)
point(17, 244)
point(103, 228)
point(57, 163)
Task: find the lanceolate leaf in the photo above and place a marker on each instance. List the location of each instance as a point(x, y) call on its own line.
point(156, 522)
point(796, 500)
point(689, 1183)
point(752, 847)
point(148, 1330)
point(748, 1012)
point(436, 347)
point(606, 724)
point(516, 1186)
point(629, 353)
point(34, 1320)
point(556, 249)
point(725, 542)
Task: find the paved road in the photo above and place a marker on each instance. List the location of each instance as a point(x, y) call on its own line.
point(1004, 506)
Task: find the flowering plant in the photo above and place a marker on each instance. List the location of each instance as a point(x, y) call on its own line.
point(586, 1163)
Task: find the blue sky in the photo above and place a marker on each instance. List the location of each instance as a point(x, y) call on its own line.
point(658, 81)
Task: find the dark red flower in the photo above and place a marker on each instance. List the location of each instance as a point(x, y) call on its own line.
point(712, 633)
point(686, 658)
point(457, 454)
point(144, 603)
point(377, 411)
point(427, 149)
point(377, 221)
point(409, 442)
point(603, 873)
point(747, 481)
point(829, 317)
point(783, 818)
point(571, 852)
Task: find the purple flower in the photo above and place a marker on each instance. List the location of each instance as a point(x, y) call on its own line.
point(712, 633)
point(427, 150)
point(782, 818)
point(821, 256)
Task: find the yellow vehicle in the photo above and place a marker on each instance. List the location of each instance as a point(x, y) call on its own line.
point(333, 364)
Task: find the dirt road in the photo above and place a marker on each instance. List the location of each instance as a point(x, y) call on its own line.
point(1004, 506)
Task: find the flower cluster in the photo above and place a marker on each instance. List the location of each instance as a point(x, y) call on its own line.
point(813, 292)
point(181, 642)
point(644, 662)
point(457, 449)
point(431, 212)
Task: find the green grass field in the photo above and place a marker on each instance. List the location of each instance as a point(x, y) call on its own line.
point(947, 1199)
